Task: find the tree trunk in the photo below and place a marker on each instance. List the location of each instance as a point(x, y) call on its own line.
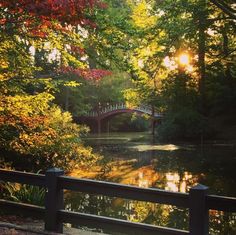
point(226, 54)
point(202, 21)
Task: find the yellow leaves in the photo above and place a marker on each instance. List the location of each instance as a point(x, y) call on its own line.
point(132, 97)
point(3, 64)
point(142, 16)
point(24, 105)
point(3, 77)
point(72, 84)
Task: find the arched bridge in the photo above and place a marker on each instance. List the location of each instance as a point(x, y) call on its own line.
point(122, 108)
point(115, 109)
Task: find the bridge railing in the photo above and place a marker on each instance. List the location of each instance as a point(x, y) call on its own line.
point(198, 201)
point(142, 108)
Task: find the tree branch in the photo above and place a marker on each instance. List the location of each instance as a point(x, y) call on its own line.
point(225, 8)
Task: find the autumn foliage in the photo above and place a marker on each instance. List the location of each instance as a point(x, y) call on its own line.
point(62, 11)
point(30, 123)
point(36, 17)
point(88, 74)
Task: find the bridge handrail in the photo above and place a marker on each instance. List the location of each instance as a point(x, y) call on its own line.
point(198, 202)
point(142, 108)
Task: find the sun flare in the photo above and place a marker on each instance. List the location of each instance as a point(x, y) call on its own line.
point(184, 59)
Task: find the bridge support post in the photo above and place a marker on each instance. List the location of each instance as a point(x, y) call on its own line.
point(108, 126)
point(153, 126)
point(99, 125)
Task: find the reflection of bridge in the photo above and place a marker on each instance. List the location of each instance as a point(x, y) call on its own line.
point(115, 109)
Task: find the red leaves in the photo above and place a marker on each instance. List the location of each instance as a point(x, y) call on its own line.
point(94, 74)
point(63, 11)
point(102, 5)
point(36, 16)
point(77, 50)
point(89, 23)
point(88, 74)
point(3, 21)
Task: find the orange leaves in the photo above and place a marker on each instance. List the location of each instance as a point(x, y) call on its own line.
point(22, 122)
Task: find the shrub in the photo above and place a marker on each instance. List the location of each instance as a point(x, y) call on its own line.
point(24, 193)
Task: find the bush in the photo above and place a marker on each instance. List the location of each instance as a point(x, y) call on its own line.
point(183, 124)
point(24, 193)
point(42, 134)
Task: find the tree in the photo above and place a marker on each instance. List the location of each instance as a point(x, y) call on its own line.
point(32, 32)
point(104, 48)
point(226, 7)
point(194, 28)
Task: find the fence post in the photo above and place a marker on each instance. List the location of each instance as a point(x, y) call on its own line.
point(198, 211)
point(54, 201)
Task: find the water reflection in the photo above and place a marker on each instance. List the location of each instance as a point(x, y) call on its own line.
point(149, 147)
point(135, 211)
point(134, 161)
point(175, 184)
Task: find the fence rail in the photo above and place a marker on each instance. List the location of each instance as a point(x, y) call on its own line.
point(124, 191)
point(23, 178)
point(198, 201)
point(31, 210)
point(117, 224)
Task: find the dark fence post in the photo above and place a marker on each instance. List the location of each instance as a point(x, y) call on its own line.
point(198, 211)
point(54, 201)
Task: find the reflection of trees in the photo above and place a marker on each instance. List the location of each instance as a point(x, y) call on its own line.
point(213, 167)
point(222, 223)
point(135, 211)
point(145, 212)
point(176, 170)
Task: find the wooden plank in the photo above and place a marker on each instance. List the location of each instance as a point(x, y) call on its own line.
point(17, 208)
point(221, 203)
point(22, 177)
point(124, 191)
point(116, 225)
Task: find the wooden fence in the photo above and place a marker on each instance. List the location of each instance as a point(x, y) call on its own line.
point(197, 201)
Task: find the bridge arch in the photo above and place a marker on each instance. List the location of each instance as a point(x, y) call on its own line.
point(116, 109)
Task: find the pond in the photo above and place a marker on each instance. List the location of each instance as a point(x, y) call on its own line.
point(135, 159)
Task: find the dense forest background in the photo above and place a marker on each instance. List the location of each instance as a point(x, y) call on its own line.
point(59, 61)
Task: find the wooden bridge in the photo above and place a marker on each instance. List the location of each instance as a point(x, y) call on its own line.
point(198, 201)
point(102, 113)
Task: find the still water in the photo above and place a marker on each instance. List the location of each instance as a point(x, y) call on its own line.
point(135, 159)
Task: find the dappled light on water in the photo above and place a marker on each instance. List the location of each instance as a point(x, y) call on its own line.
point(148, 147)
point(129, 172)
point(177, 184)
point(133, 159)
